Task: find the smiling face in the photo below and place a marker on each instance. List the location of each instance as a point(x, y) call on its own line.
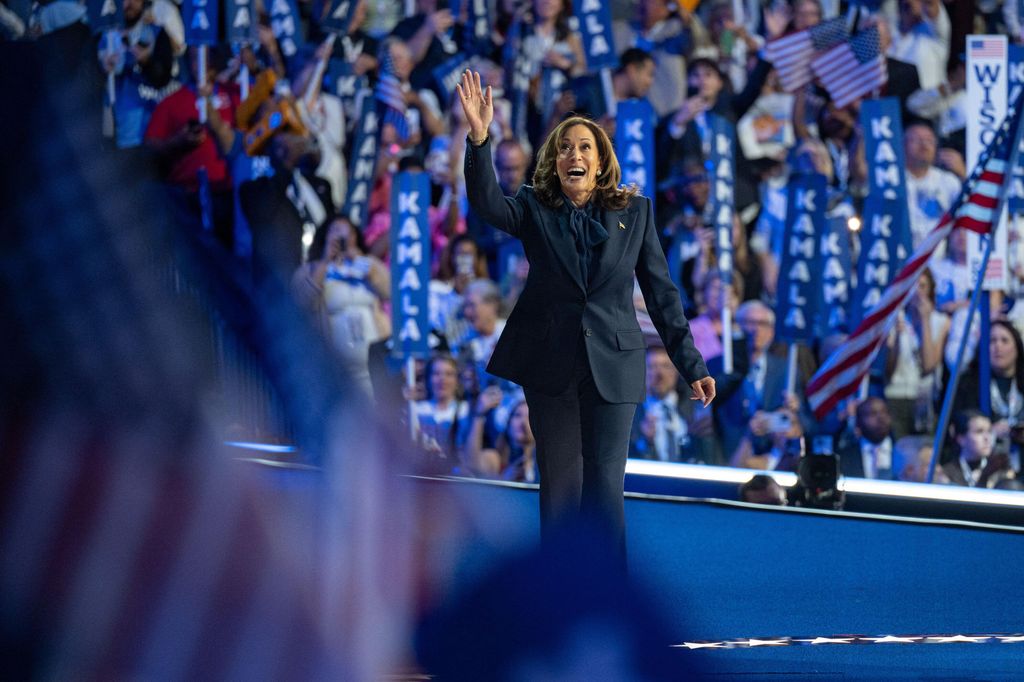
point(578, 163)
point(444, 379)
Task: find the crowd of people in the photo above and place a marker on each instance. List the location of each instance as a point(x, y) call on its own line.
point(268, 174)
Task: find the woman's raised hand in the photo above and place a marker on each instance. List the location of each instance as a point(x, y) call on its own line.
point(477, 104)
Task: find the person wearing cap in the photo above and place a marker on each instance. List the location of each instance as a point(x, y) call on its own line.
point(686, 133)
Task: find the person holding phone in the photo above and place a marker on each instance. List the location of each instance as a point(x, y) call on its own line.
point(572, 341)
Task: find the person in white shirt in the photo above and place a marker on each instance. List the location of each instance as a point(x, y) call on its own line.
point(914, 361)
point(921, 37)
point(930, 190)
point(481, 309)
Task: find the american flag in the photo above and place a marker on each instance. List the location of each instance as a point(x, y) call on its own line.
point(987, 47)
point(975, 209)
point(390, 94)
point(791, 55)
point(851, 70)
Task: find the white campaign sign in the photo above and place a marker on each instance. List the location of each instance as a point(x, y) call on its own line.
point(987, 84)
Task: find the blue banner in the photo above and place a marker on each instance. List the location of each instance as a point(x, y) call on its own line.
point(448, 72)
point(104, 15)
point(518, 71)
point(800, 271)
point(239, 24)
point(595, 29)
point(836, 265)
point(341, 80)
point(200, 18)
point(476, 36)
point(1015, 193)
point(363, 165)
point(885, 239)
point(634, 142)
point(410, 263)
point(339, 16)
point(285, 23)
point(721, 165)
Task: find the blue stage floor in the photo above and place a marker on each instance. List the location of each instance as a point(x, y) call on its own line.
point(737, 586)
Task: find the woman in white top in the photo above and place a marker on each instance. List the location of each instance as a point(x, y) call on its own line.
point(442, 421)
point(914, 361)
point(347, 289)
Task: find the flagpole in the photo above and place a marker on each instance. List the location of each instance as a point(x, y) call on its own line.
point(791, 369)
point(726, 337)
point(982, 348)
point(954, 379)
point(984, 360)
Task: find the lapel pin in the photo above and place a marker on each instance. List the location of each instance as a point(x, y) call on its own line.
point(621, 226)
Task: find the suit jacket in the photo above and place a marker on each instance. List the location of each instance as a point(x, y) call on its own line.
point(538, 347)
point(275, 223)
point(851, 459)
point(703, 449)
point(732, 413)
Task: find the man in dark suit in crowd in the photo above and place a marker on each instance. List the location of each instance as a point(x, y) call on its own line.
point(668, 427)
point(755, 388)
point(868, 451)
point(511, 163)
point(284, 207)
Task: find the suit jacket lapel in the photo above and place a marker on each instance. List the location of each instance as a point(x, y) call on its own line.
point(620, 227)
point(562, 243)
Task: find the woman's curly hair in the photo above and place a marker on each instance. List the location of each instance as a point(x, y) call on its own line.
point(607, 193)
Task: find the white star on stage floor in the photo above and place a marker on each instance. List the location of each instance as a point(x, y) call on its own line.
point(827, 640)
point(958, 638)
point(891, 639)
point(700, 645)
point(765, 642)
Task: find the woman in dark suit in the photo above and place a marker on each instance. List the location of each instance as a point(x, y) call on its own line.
point(572, 342)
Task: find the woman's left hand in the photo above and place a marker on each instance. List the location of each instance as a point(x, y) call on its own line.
point(703, 390)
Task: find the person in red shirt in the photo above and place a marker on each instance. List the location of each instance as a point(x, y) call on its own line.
point(183, 145)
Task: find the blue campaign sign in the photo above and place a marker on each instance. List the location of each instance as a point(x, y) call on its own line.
point(448, 73)
point(285, 23)
point(104, 15)
point(477, 35)
point(595, 29)
point(885, 234)
point(410, 263)
point(800, 271)
point(200, 18)
point(634, 144)
point(341, 80)
point(364, 164)
point(721, 165)
point(240, 24)
point(1015, 194)
point(339, 16)
point(836, 260)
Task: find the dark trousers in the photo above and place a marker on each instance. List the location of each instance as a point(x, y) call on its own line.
point(582, 443)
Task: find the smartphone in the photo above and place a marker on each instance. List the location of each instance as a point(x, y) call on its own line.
point(779, 422)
